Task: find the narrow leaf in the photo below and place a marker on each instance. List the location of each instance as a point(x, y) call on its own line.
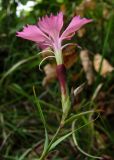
point(43, 120)
point(72, 118)
point(68, 134)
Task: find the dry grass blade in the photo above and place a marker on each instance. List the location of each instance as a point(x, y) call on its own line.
point(106, 66)
point(87, 66)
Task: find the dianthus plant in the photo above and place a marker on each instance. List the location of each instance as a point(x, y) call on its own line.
point(48, 33)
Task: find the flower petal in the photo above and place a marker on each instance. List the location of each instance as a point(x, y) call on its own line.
point(33, 33)
point(76, 23)
point(52, 25)
point(44, 45)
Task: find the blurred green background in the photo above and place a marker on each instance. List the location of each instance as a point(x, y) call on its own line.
point(21, 130)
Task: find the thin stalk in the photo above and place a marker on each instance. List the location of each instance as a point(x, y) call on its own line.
point(61, 74)
point(43, 156)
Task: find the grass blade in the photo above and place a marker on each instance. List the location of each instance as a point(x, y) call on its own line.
point(78, 147)
point(17, 65)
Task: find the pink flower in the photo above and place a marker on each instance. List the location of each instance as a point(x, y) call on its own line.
point(47, 32)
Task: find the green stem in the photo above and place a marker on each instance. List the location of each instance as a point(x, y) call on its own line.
point(61, 73)
point(65, 98)
point(43, 156)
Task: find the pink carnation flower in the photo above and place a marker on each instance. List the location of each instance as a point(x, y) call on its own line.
point(47, 32)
